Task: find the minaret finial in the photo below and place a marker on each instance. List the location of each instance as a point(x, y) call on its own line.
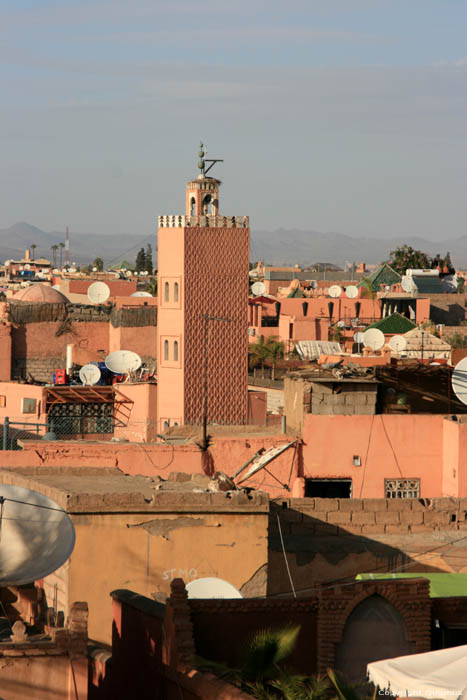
point(201, 154)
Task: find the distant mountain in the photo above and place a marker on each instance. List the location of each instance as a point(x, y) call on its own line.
point(306, 247)
point(84, 247)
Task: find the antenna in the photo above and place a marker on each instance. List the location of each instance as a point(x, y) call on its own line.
point(459, 380)
point(374, 338)
point(67, 246)
point(335, 291)
point(398, 343)
point(211, 587)
point(258, 288)
point(89, 374)
point(261, 461)
point(202, 161)
point(351, 292)
point(123, 361)
point(37, 536)
point(98, 292)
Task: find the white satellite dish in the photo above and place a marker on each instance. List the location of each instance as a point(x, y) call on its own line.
point(37, 536)
point(98, 292)
point(27, 266)
point(335, 291)
point(89, 374)
point(358, 338)
point(258, 288)
point(408, 285)
point(72, 269)
point(398, 343)
point(211, 587)
point(136, 273)
point(373, 338)
point(141, 294)
point(94, 269)
point(459, 380)
point(351, 291)
point(128, 273)
point(123, 361)
point(341, 324)
point(56, 270)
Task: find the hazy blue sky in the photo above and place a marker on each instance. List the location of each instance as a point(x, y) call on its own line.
point(335, 115)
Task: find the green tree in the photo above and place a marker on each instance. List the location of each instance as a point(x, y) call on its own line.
point(276, 352)
point(151, 287)
point(460, 285)
point(99, 263)
point(405, 258)
point(140, 262)
point(148, 259)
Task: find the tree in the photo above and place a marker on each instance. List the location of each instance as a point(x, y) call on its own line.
point(33, 248)
point(61, 246)
point(405, 258)
point(140, 262)
point(99, 263)
point(151, 287)
point(54, 249)
point(148, 259)
point(276, 352)
point(460, 285)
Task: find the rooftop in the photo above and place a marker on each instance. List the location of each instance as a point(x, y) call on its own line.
point(396, 323)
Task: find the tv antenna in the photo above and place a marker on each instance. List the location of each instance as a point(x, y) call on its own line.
point(202, 161)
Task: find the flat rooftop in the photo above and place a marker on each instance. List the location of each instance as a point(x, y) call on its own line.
point(109, 490)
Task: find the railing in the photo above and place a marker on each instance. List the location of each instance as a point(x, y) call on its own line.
point(14, 431)
point(179, 221)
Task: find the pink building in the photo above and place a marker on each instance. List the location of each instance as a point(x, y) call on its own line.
point(203, 311)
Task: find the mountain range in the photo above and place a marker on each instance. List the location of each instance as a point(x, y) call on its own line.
point(286, 246)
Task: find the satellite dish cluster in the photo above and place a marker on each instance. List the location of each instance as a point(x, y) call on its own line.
point(120, 362)
point(335, 291)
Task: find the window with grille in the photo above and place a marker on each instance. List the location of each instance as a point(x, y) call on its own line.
point(81, 419)
point(402, 488)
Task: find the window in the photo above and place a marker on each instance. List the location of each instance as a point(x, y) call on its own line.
point(192, 206)
point(166, 350)
point(328, 488)
point(80, 419)
point(166, 424)
point(402, 488)
point(207, 205)
point(176, 291)
point(166, 291)
point(175, 350)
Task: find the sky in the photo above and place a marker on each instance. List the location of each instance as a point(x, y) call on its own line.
point(330, 115)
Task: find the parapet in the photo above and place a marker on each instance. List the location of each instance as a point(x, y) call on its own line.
point(176, 221)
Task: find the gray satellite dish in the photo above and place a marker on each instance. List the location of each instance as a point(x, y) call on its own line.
point(123, 361)
point(89, 374)
point(141, 294)
point(373, 338)
point(358, 338)
point(408, 285)
point(335, 291)
point(398, 343)
point(98, 292)
point(459, 380)
point(37, 536)
point(314, 284)
point(211, 587)
point(351, 291)
point(258, 288)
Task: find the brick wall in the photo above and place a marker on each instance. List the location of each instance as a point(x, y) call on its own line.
point(346, 399)
point(41, 368)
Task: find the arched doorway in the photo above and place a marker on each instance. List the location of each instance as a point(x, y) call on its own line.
point(374, 630)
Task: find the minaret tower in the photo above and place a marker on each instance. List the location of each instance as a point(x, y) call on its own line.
point(203, 310)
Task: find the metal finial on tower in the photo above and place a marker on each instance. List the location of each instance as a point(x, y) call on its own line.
point(201, 158)
point(202, 161)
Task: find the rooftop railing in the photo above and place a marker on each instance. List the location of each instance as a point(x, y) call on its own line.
point(179, 221)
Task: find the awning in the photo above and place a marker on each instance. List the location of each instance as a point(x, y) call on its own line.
point(435, 674)
point(59, 395)
point(441, 585)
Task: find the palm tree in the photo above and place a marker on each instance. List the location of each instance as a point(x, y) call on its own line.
point(259, 352)
point(33, 248)
point(61, 246)
point(276, 352)
point(54, 249)
point(369, 292)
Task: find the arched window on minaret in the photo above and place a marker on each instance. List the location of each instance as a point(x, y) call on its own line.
point(207, 205)
point(166, 292)
point(176, 291)
point(166, 350)
point(192, 206)
point(175, 350)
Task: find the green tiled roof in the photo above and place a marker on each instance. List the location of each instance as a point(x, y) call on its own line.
point(396, 323)
point(383, 275)
point(441, 585)
point(295, 294)
point(428, 285)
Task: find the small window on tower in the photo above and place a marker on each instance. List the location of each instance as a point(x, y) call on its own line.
point(166, 291)
point(176, 291)
point(175, 350)
point(192, 206)
point(207, 205)
point(166, 349)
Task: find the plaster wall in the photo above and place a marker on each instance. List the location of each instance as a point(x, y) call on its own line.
point(142, 423)
point(40, 677)
point(13, 394)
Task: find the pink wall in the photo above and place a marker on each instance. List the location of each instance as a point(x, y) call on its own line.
point(13, 394)
point(142, 424)
point(39, 339)
point(117, 287)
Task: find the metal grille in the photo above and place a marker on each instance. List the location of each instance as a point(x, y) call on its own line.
point(402, 488)
point(13, 431)
point(69, 419)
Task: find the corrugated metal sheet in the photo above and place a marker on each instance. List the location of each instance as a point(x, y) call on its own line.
point(312, 349)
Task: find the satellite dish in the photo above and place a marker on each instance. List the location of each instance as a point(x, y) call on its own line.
point(72, 269)
point(89, 374)
point(335, 291)
point(398, 343)
point(56, 270)
point(459, 380)
point(141, 294)
point(98, 292)
point(211, 587)
point(258, 288)
point(37, 536)
point(373, 338)
point(123, 361)
point(351, 291)
point(407, 283)
point(341, 324)
point(135, 273)
point(128, 273)
point(314, 284)
point(358, 337)
point(27, 266)
point(94, 269)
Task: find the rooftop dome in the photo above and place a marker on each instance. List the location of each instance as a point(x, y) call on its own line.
point(40, 293)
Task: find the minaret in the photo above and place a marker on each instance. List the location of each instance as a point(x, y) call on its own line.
point(203, 310)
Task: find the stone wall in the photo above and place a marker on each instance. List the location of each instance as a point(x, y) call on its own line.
point(344, 398)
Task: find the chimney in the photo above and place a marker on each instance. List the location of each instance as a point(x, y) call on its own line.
point(27, 254)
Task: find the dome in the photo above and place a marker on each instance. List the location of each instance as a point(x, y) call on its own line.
point(41, 293)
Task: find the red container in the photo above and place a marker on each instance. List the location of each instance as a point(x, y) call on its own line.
point(60, 376)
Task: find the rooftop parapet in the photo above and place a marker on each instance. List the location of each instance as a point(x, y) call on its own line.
point(175, 221)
